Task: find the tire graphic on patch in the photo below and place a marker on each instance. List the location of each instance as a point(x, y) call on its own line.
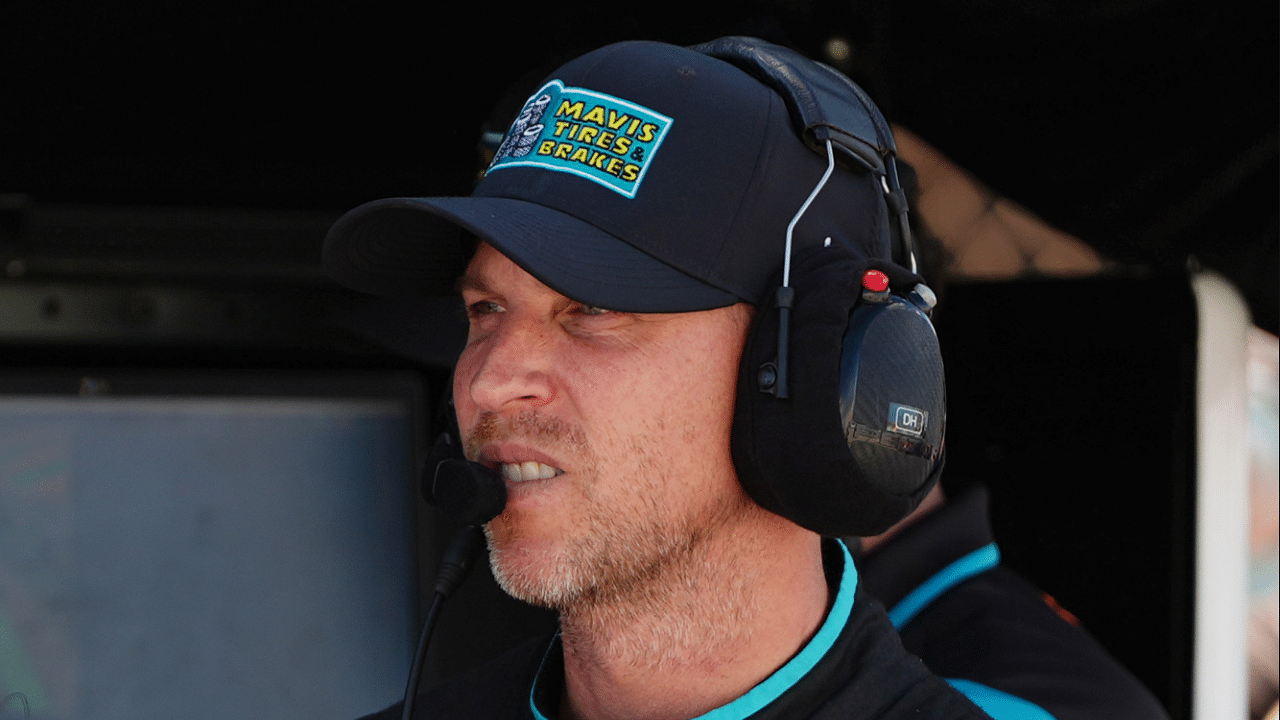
point(525, 130)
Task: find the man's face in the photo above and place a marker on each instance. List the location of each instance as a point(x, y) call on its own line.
point(612, 430)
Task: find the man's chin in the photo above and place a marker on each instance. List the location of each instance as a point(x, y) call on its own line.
point(535, 572)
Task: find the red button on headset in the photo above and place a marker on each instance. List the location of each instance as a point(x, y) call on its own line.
point(875, 281)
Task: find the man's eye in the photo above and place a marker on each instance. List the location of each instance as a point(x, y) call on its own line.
point(593, 310)
point(483, 307)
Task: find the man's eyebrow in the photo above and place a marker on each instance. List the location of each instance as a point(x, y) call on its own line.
point(467, 281)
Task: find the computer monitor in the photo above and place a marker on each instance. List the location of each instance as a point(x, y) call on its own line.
point(203, 544)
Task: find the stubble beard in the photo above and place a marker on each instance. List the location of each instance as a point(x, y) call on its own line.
point(627, 555)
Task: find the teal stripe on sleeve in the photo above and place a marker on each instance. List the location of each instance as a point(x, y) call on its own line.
point(976, 562)
point(998, 704)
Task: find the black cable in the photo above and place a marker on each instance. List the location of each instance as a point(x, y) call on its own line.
point(457, 561)
point(419, 657)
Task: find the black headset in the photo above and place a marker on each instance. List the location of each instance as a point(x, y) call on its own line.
point(841, 405)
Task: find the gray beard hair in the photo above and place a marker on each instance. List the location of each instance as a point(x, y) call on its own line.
point(645, 599)
point(628, 568)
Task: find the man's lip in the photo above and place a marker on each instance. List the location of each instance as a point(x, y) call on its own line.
point(495, 454)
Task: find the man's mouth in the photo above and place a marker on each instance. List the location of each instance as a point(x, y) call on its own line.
point(530, 470)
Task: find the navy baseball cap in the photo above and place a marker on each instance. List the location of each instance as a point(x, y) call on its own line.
point(641, 177)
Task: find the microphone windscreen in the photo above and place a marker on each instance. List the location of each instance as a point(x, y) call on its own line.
point(468, 492)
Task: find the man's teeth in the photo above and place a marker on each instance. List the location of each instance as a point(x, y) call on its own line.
point(519, 472)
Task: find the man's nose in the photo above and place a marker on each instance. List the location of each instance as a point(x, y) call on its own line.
point(512, 367)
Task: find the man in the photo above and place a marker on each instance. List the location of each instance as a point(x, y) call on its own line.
point(622, 237)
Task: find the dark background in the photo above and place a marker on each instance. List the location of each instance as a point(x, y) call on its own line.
point(168, 171)
point(1145, 127)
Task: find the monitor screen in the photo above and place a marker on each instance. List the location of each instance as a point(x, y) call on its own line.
point(206, 547)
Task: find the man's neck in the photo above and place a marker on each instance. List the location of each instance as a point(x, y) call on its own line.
point(704, 631)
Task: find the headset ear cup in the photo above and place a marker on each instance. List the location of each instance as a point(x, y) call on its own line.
point(893, 395)
point(801, 457)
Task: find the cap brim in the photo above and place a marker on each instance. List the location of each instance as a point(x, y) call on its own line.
point(414, 247)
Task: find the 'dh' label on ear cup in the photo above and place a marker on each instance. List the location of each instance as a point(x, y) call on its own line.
point(907, 420)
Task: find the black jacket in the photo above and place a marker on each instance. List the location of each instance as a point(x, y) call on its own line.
point(854, 669)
